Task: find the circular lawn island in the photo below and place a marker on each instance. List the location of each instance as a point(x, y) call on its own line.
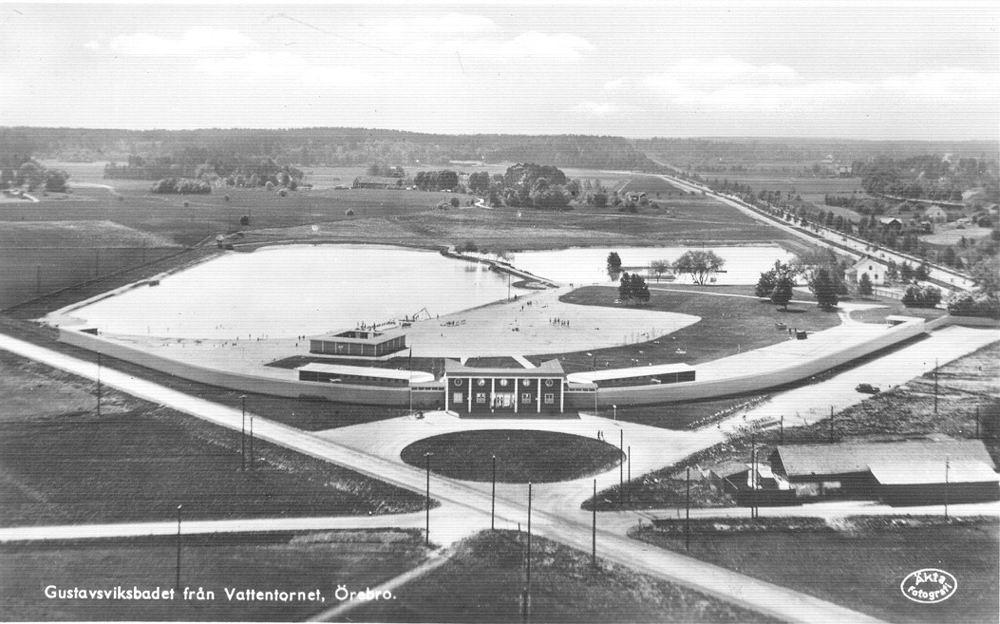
point(522, 455)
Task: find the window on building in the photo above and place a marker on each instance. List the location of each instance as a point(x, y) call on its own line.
point(481, 398)
point(550, 398)
point(459, 398)
point(525, 397)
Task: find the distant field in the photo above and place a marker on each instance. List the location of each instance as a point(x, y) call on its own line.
point(653, 186)
point(859, 566)
point(60, 462)
point(483, 581)
point(953, 235)
point(264, 561)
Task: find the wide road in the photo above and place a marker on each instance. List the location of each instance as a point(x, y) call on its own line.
point(744, 591)
point(825, 237)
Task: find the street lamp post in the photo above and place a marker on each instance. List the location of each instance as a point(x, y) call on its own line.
point(614, 411)
point(621, 465)
point(98, 385)
point(593, 529)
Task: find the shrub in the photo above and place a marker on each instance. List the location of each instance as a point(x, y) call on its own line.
point(917, 296)
point(974, 304)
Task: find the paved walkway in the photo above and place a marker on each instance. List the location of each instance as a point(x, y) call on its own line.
point(780, 602)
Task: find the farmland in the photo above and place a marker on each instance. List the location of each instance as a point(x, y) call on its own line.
point(60, 462)
point(265, 561)
point(859, 562)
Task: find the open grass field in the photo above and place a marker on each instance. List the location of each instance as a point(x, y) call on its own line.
point(859, 564)
point(951, 236)
point(522, 456)
point(965, 385)
point(654, 186)
point(60, 462)
point(729, 325)
point(484, 579)
point(266, 562)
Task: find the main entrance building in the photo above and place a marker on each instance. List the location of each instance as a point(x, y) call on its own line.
point(472, 390)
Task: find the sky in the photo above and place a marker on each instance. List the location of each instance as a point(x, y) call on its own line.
point(867, 70)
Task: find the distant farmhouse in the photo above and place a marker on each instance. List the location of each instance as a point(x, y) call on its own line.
point(936, 214)
point(377, 182)
point(875, 269)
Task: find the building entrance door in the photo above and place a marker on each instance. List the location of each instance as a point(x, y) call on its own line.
point(503, 401)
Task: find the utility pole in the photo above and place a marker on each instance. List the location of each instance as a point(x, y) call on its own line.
point(947, 466)
point(527, 583)
point(935, 386)
point(177, 584)
point(781, 430)
point(831, 424)
point(593, 528)
point(98, 385)
point(409, 382)
point(621, 466)
point(493, 500)
point(243, 433)
point(977, 422)
point(687, 511)
point(251, 442)
point(753, 465)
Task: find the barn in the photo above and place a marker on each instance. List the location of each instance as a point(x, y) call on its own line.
point(482, 390)
point(912, 470)
point(363, 343)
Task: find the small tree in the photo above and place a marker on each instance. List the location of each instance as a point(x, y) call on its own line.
point(614, 261)
point(766, 284)
point(922, 272)
point(639, 289)
point(659, 267)
point(824, 286)
point(782, 293)
point(865, 285)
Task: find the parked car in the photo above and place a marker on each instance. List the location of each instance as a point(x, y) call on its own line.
point(867, 388)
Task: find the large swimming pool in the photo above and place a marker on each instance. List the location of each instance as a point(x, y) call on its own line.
point(287, 291)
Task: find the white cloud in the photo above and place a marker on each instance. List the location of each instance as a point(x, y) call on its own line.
point(449, 23)
point(192, 42)
point(283, 66)
point(543, 45)
point(600, 109)
point(92, 45)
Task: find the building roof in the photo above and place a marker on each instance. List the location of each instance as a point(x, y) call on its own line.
point(924, 472)
point(368, 371)
point(375, 336)
point(550, 368)
point(869, 260)
point(377, 180)
point(625, 373)
point(819, 459)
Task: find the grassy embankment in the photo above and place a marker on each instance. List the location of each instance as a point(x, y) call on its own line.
point(966, 385)
point(857, 562)
point(522, 456)
point(61, 463)
point(729, 325)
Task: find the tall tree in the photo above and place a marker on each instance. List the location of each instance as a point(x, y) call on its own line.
point(625, 287)
point(699, 264)
point(782, 293)
point(865, 285)
point(824, 286)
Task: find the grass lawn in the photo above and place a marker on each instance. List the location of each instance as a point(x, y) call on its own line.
point(266, 562)
point(965, 385)
point(484, 579)
point(729, 325)
point(522, 456)
point(61, 463)
point(860, 564)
